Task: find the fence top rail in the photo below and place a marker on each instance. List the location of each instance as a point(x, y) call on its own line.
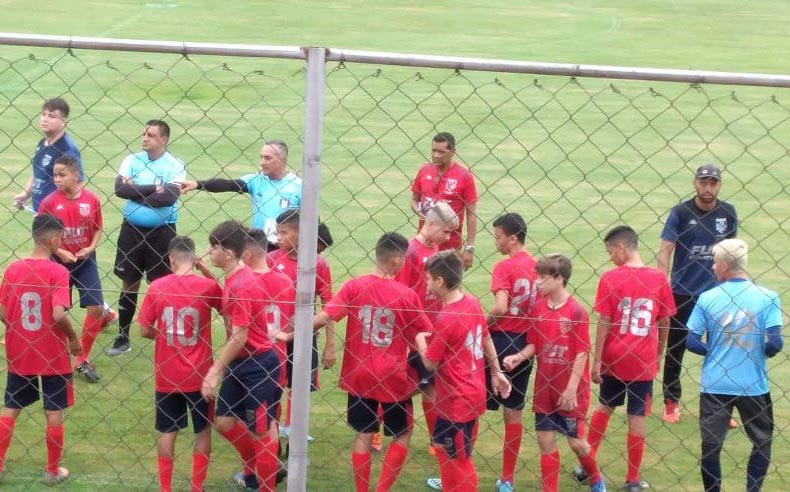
point(401, 59)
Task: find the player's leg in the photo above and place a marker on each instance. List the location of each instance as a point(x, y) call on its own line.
point(398, 421)
point(165, 450)
point(129, 257)
point(362, 416)
point(581, 448)
point(58, 394)
point(425, 380)
point(86, 278)
point(20, 392)
point(611, 395)
point(230, 424)
point(673, 359)
point(549, 454)
point(714, 414)
point(259, 377)
point(171, 416)
point(454, 442)
point(202, 413)
point(757, 416)
point(640, 400)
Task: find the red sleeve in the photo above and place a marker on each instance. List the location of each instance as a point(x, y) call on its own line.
point(415, 185)
point(438, 346)
point(43, 207)
point(603, 302)
point(417, 321)
point(500, 280)
point(337, 307)
point(147, 316)
point(215, 296)
point(581, 324)
point(98, 221)
point(469, 193)
point(61, 293)
point(240, 309)
point(4, 288)
point(323, 282)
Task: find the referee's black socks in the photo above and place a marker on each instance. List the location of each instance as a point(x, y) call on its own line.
point(127, 304)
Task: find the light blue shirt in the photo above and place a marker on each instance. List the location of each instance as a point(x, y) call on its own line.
point(735, 316)
point(143, 171)
point(270, 198)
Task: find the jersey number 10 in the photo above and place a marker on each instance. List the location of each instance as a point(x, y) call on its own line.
point(175, 325)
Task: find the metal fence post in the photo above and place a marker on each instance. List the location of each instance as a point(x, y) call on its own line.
point(305, 284)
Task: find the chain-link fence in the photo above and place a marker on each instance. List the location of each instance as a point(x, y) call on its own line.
point(574, 156)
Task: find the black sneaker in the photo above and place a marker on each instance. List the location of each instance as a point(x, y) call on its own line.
point(632, 487)
point(89, 372)
point(282, 472)
point(120, 346)
point(580, 474)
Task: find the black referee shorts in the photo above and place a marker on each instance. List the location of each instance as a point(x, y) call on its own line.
point(143, 250)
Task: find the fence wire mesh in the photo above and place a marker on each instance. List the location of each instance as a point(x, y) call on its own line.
point(575, 157)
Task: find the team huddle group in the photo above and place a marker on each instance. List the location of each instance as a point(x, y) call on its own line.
point(411, 329)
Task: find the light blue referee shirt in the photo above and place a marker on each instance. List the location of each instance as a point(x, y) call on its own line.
point(735, 316)
point(143, 171)
point(270, 198)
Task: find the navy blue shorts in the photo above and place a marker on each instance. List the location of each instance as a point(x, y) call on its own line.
point(457, 439)
point(567, 426)
point(509, 344)
point(250, 391)
point(22, 391)
point(84, 275)
point(289, 365)
point(363, 416)
point(172, 409)
point(425, 376)
point(640, 395)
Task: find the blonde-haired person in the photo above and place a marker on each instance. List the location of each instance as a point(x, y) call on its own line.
point(741, 323)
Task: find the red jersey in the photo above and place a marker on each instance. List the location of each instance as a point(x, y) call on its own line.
point(412, 275)
point(384, 316)
point(559, 335)
point(178, 309)
point(456, 348)
point(244, 305)
point(34, 345)
point(515, 275)
point(81, 217)
point(280, 261)
point(280, 308)
point(635, 299)
point(456, 187)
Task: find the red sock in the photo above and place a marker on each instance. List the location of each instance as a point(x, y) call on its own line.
point(550, 471)
point(241, 439)
point(393, 463)
point(636, 449)
point(6, 433)
point(429, 410)
point(590, 466)
point(165, 466)
point(265, 464)
point(361, 464)
point(510, 450)
point(598, 424)
point(54, 447)
point(273, 448)
point(90, 330)
point(447, 470)
point(467, 480)
point(199, 471)
point(288, 408)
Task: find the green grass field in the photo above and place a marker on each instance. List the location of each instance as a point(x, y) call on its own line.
point(575, 157)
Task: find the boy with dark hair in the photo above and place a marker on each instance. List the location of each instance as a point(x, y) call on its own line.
point(383, 318)
point(176, 314)
point(458, 343)
point(560, 338)
point(284, 260)
point(247, 364)
point(80, 212)
point(34, 303)
point(324, 238)
point(634, 303)
point(513, 286)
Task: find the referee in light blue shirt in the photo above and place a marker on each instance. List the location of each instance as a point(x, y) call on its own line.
point(741, 323)
point(149, 181)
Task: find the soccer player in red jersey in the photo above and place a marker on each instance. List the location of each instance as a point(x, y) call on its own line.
point(456, 348)
point(513, 286)
point(444, 180)
point(634, 303)
point(80, 212)
point(384, 316)
point(34, 300)
point(560, 337)
point(284, 260)
point(248, 364)
point(176, 314)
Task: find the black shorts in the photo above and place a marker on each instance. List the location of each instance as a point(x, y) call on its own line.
point(172, 409)
point(457, 438)
point(567, 426)
point(424, 375)
point(756, 412)
point(22, 391)
point(362, 414)
point(289, 365)
point(84, 275)
point(640, 395)
point(509, 344)
point(143, 250)
point(250, 391)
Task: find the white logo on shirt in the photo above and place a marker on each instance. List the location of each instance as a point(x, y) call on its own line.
point(59, 208)
point(692, 222)
point(451, 185)
point(46, 160)
point(721, 224)
point(85, 209)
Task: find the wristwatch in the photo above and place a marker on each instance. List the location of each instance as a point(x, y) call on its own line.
point(469, 249)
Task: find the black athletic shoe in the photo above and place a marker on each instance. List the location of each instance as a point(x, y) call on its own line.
point(120, 346)
point(89, 372)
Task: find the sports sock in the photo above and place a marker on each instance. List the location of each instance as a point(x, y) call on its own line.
point(165, 466)
point(590, 467)
point(391, 468)
point(265, 463)
point(90, 330)
point(361, 464)
point(510, 450)
point(240, 438)
point(54, 447)
point(598, 424)
point(199, 470)
point(429, 410)
point(467, 480)
point(6, 433)
point(550, 471)
point(127, 304)
point(447, 470)
point(636, 449)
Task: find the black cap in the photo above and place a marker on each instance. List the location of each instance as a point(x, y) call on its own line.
point(708, 171)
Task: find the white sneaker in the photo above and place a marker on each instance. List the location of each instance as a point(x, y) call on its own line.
point(434, 483)
point(51, 480)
